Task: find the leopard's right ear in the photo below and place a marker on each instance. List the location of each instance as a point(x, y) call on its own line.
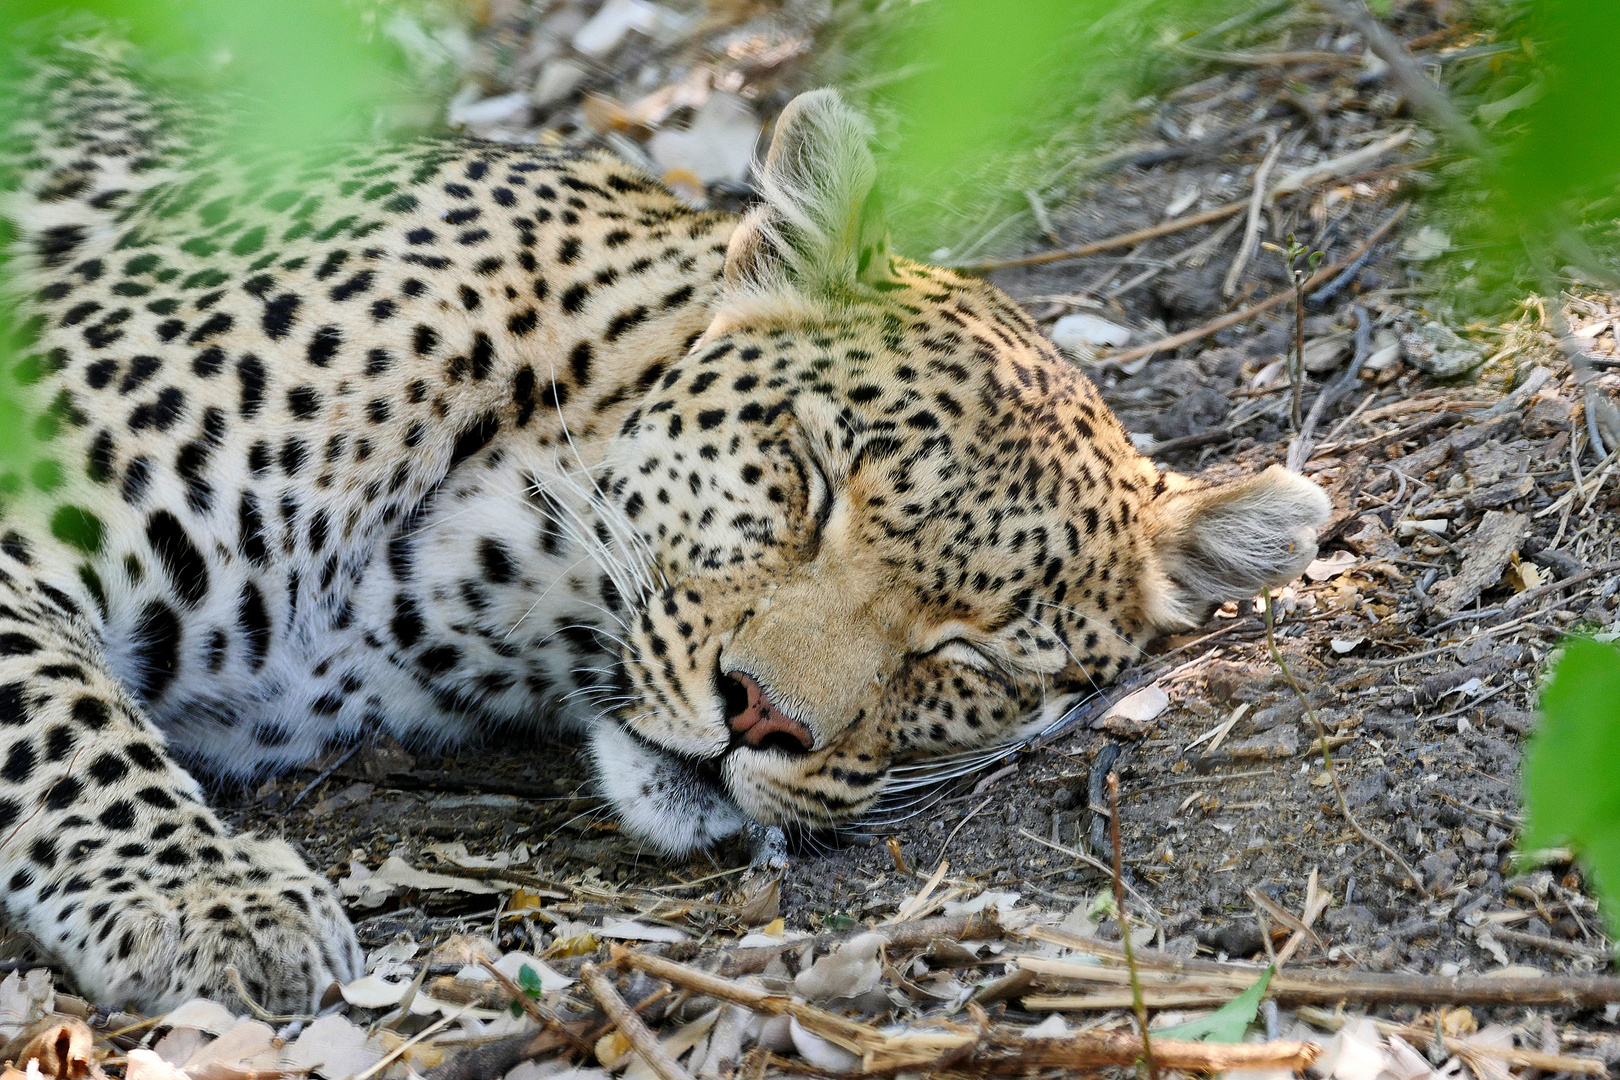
point(819, 228)
point(1218, 542)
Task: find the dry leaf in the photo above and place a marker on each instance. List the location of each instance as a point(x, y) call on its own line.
point(819, 1052)
point(62, 1049)
point(142, 1064)
point(1330, 566)
point(24, 1001)
point(632, 930)
point(852, 970)
point(335, 1045)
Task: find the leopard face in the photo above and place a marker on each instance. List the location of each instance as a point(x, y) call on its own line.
point(888, 521)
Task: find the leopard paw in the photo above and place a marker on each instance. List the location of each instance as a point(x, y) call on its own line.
point(259, 923)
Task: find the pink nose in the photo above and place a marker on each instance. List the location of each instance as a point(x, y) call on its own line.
point(753, 716)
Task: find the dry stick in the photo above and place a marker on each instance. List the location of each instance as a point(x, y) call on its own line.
point(1124, 924)
point(537, 1011)
point(1130, 239)
point(1245, 314)
point(1333, 985)
point(1327, 755)
point(1014, 1054)
point(630, 1025)
point(1251, 228)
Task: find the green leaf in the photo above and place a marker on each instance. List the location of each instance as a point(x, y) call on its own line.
point(1226, 1024)
point(839, 921)
point(1569, 791)
point(514, 1008)
point(528, 981)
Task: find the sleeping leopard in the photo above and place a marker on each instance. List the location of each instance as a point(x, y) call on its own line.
point(443, 437)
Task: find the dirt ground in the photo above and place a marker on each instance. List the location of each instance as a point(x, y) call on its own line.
point(1418, 648)
point(1473, 527)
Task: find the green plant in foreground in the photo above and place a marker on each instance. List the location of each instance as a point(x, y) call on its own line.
point(1572, 767)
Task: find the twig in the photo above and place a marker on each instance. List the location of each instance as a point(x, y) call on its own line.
point(1326, 985)
point(1276, 59)
point(1251, 227)
point(537, 1011)
point(1327, 754)
point(325, 775)
point(1125, 926)
point(1245, 314)
point(1130, 239)
point(630, 1025)
point(388, 1059)
point(940, 858)
point(1564, 948)
point(1426, 98)
point(1301, 448)
point(1529, 596)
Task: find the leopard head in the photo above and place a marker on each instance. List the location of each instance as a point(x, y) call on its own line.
point(889, 522)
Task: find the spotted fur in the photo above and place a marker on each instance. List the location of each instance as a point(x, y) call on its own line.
point(438, 436)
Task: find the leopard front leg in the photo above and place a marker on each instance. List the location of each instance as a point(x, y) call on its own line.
point(111, 860)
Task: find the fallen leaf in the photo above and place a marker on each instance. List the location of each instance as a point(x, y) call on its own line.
point(1082, 332)
point(718, 144)
point(1141, 706)
point(851, 970)
point(63, 1049)
point(143, 1064)
point(372, 992)
point(1427, 243)
point(1354, 1053)
point(1330, 566)
point(24, 1001)
point(632, 930)
point(819, 1052)
point(333, 1044)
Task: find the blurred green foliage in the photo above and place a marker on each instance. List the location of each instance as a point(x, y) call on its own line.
point(299, 71)
point(1570, 789)
point(294, 72)
point(977, 101)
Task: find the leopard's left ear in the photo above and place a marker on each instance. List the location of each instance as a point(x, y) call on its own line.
point(820, 227)
point(1223, 542)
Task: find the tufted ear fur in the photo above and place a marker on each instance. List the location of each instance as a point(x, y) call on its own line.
point(1228, 541)
point(820, 227)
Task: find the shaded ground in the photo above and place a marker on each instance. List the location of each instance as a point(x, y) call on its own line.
point(1427, 748)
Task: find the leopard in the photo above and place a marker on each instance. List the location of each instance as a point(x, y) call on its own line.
point(437, 437)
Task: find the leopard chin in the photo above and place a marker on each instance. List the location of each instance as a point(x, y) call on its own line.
point(675, 805)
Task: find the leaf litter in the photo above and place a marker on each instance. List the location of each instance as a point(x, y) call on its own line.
point(1473, 527)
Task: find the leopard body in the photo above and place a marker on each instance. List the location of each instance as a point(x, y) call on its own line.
point(444, 437)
